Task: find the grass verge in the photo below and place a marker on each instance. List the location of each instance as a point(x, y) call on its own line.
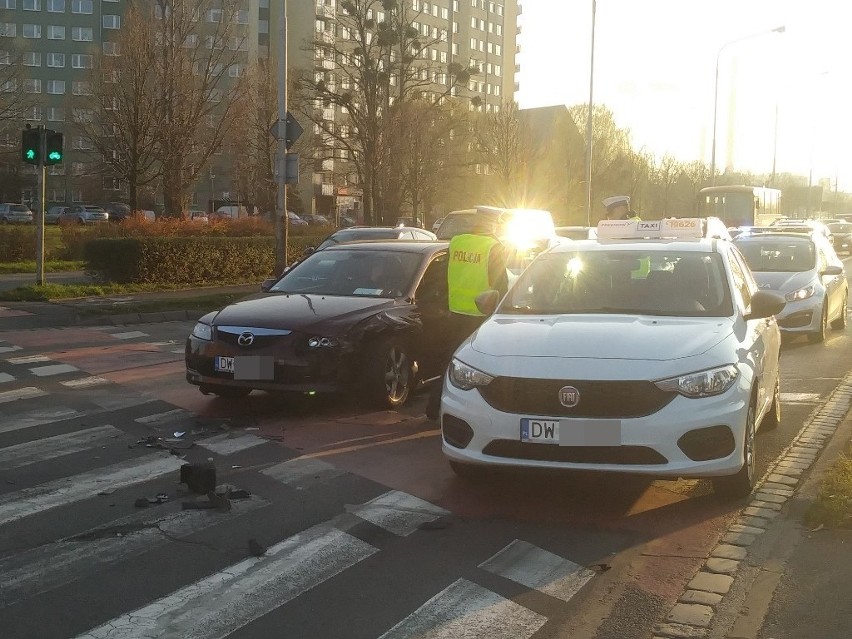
point(833, 507)
point(54, 266)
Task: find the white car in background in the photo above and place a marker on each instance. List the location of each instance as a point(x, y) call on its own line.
point(623, 354)
point(15, 214)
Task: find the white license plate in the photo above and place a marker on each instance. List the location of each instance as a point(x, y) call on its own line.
point(224, 364)
point(571, 432)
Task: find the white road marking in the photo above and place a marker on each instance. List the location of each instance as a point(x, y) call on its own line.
point(129, 335)
point(302, 471)
point(40, 450)
point(538, 569)
point(467, 610)
point(56, 564)
point(398, 512)
point(5, 377)
point(227, 444)
point(55, 369)
point(30, 359)
point(85, 382)
point(38, 418)
point(800, 397)
point(21, 393)
point(169, 416)
point(178, 351)
point(30, 501)
point(9, 349)
point(220, 604)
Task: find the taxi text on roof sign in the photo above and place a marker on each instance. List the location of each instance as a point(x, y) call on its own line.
point(679, 228)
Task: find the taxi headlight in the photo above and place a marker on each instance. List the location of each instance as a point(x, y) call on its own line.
point(802, 294)
point(203, 331)
point(714, 381)
point(466, 377)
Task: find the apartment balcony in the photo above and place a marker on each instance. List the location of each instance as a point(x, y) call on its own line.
point(325, 12)
point(327, 189)
point(328, 114)
point(326, 37)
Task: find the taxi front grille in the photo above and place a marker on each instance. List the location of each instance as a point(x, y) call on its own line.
point(601, 399)
point(622, 455)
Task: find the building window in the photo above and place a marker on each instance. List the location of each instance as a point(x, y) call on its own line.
point(77, 195)
point(55, 32)
point(242, 17)
point(82, 61)
point(263, 26)
point(81, 87)
point(33, 114)
point(8, 29)
point(214, 15)
point(56, 60)
point(9, 86)
point(32, 59)
point(499, 28)
point(82, 6)
point(56, 170)
point(8, 4)
point(55, 114)
point(56, 6)
point(111, 48)
point(81, 143)
point(56, 87)
point(31, 5)
point(32, 86)
point(82, 34)
point(112, 22)
point(31, 30)
point(56, 195)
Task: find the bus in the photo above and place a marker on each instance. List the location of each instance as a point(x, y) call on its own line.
point(740, 205)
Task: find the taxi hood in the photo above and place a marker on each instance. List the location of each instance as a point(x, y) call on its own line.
point(624, 337)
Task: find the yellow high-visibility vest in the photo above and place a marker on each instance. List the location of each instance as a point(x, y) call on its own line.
point(467, 271)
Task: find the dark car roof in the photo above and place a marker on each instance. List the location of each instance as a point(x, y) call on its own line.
point(406, 246)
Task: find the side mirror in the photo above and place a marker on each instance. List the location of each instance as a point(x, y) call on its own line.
point(765, 304)
point(832, 270)
point(487, 302)
point(268, 284)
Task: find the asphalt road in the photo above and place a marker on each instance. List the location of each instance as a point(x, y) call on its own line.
point(367, 532)
point(14, 280)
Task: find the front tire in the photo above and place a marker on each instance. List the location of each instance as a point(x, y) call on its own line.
point(820, 334)
point(840, 323)
point(740, 485)
point(773, 417)
point(390, 374)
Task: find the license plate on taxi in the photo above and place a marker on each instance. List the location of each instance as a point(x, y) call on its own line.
point(252, 367)
point(571, 432)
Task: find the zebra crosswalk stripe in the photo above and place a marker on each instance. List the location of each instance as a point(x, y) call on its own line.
point(29, 501)
point(27, 392)
point(39, 450)
point(398, 512)
point(232, 598)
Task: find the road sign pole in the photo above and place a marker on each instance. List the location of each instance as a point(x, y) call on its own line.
point(39, 212)
point(282, 222)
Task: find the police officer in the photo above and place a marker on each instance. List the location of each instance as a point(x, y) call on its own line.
point(618, 208)
point(477, 263)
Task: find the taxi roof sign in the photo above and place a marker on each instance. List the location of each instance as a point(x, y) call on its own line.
point(667, 228)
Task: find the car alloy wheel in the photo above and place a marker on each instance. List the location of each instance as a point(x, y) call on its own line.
point(390, 374)
point(820, 334)
point(840, 323)
point(741, 484)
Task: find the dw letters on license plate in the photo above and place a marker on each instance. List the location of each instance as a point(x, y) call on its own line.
point(540, 431)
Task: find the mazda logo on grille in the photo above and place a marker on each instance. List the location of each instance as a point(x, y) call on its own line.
point(569, 396)
point(246, 338)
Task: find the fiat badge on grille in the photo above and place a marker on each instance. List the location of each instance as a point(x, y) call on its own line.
point(569, 396)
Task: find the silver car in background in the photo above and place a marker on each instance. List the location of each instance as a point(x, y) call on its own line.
point(15, 214)
point(83, 214)
point(804, 269)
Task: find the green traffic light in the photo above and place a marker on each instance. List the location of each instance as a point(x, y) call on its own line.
point(54, 155)
point(31, 154)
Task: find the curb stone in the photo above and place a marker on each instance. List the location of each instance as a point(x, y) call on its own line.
point(689, 617)
point(138, 318)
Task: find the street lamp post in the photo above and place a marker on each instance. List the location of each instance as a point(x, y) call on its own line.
point(780, 29)
point(589, 122)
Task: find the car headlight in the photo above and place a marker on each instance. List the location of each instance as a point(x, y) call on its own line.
point(323, 342)
point(203, 331)
point(714, 381)
point(802, 294)
point(466, 377)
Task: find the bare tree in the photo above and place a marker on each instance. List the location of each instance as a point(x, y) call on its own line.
point(666, 173)
point(13, 101)
point(118, 116)
point(698, 175)
point(374, 67)
point(198, 66)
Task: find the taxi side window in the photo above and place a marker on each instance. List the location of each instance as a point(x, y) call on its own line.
point(433, 286)
point(743, 280)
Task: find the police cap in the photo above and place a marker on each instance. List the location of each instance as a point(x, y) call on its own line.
point(616, 200)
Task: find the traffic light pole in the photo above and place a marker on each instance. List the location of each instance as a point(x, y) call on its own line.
point(42, 145)
point(282, 221)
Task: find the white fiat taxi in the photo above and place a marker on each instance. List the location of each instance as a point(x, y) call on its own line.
point(647, 350)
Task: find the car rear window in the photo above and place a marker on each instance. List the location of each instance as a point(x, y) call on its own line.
point(778, 256)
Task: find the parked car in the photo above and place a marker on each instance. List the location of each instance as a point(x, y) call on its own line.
point(197, 215)
point(576, 232)
point(83, 214)
point(295, 220)
point(346, 319)
point(841, 236)
point(804, 269)
point(316, 220)
point(363, 233)
point(410, 222)
point(437, 224)
point(52, 215)
point(15, 214)
point(117, 211)
point(593, 363)
point(346, 221)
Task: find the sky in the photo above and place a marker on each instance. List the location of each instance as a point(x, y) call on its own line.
point(655, 63)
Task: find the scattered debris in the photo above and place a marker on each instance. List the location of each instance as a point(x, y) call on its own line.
point(180, 433)
point(818, 528)
point(144, 502)
point(239, 493)
point(252, 428)
point(196, 505)
point(235, 466)
point(107, 491)
point(200, 478)
point(255, 548)
point(220, 502)
point(599, 567)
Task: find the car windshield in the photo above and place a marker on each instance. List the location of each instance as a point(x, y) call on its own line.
point(840, 227)
point(778, 255)
point(357, 272)
point(579, 233)
point(94, 209)
point(681, 284)
point(18, 208)
point(361, 234)
point(461, 223)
